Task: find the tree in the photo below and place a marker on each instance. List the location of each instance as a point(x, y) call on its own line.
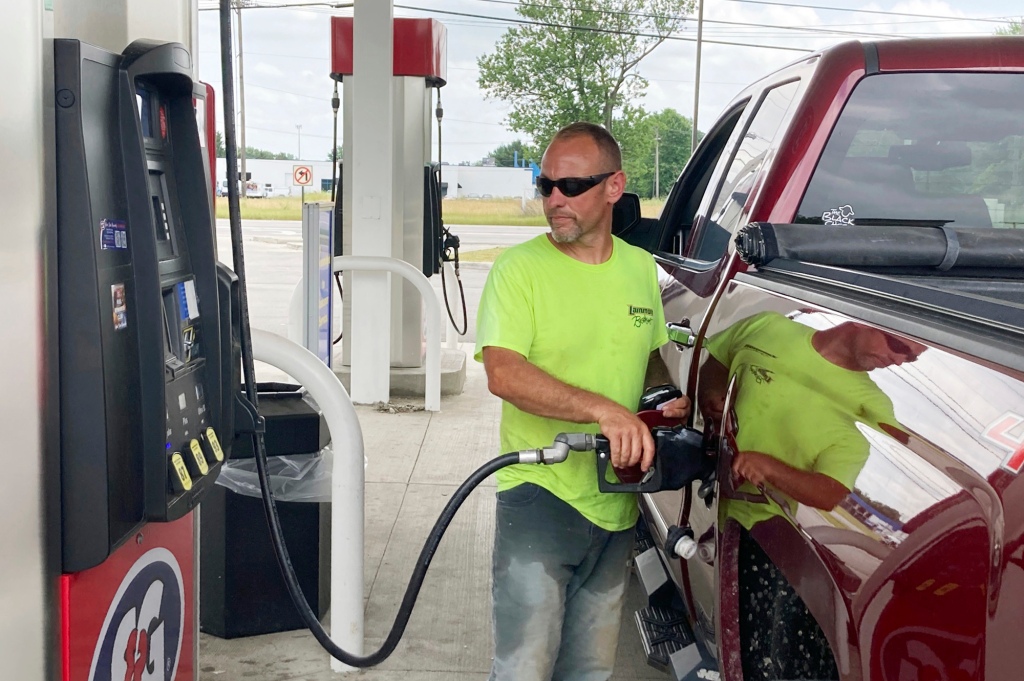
point(218, 140)
point(338, 150)
point(578, 62)
point(505, 155)
point(253, 152)
point(1013, 28)
point(649, 140)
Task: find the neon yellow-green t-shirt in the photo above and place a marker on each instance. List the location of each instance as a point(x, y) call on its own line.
point(793, 404)
point(591, 326)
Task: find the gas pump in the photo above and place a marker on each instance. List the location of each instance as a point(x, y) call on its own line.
point(420, 237)
point(148, 361)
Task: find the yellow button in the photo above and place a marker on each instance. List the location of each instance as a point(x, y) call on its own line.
point(211, 437)
point(198, 458)
point(180, 479)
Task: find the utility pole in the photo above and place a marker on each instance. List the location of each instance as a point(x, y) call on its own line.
point(657, 164)
point(696, 81)
point(298, 129)
point(239, 4)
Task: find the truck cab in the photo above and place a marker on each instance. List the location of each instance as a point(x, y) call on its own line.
point(885, 387)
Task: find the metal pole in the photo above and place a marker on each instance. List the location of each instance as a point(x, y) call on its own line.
point(241, 103)
point(298, 128)
point(657, 164)
point(696, 81)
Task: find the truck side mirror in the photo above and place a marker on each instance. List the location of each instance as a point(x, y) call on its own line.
point(631, 227)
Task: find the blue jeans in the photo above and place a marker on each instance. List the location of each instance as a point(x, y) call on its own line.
point(559, 586)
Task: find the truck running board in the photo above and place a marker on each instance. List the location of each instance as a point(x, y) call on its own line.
point(669, 645)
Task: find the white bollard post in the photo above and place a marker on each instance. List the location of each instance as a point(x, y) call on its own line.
point(347, 482)
point(451, 336)
point(432, 370)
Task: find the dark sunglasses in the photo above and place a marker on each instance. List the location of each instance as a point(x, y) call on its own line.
point(570, 186)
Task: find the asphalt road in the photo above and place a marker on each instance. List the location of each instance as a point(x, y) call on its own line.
point(273, 257)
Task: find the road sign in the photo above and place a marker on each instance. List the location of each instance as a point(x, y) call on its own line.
point(302, 176)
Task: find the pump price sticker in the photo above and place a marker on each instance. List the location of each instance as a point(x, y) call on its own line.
point(113, 235)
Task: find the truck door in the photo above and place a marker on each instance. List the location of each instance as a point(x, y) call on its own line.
point(709, 202)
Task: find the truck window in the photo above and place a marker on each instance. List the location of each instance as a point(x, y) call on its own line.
point(687, 193)
point(729, 211)
point(934, 148)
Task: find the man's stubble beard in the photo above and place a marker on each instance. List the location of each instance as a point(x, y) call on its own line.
point(566, 237)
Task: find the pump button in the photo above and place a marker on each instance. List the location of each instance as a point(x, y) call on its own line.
point(198, 459)
point(181, 481)
point(214, 443)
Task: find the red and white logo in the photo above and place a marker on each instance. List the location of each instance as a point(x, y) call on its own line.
point(1008, 433)
point(141, 635)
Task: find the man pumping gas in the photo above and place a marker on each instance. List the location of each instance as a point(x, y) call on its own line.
point(568, 327)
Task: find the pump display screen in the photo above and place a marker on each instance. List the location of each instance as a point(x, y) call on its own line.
point(145, 101)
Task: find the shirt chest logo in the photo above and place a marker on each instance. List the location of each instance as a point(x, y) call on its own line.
point(761, 375)
point(641, 316)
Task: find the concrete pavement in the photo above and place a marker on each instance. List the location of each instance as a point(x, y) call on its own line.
point(415, 461)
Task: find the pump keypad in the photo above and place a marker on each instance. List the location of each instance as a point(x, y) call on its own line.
point(181, 481)
point(198, 459)
point(213, 446)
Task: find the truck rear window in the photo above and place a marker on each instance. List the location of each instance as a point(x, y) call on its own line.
point(935, 148)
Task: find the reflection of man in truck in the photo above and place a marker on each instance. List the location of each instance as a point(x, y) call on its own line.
point(799, 396)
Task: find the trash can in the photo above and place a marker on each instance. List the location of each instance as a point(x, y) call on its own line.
point(241, 591)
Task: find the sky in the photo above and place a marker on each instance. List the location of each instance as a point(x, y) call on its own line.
point(287, 59)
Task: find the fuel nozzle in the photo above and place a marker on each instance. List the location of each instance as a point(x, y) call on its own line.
point(680, 457)
point(559, 449)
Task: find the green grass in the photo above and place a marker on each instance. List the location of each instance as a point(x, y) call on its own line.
point(505, 212)
point(275, 208)
point(512, 212)
point(482, 255)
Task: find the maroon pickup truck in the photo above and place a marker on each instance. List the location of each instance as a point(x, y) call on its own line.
point(843, 276)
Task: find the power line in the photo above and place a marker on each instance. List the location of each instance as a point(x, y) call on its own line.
point(825, 28)
point(594, 29)
point(670, 17)
point(992, 20)
point(213, 6)
point(325, 98)
point(287, 132)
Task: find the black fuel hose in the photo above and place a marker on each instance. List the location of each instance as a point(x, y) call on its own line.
point(415, 582)
point(259, 446)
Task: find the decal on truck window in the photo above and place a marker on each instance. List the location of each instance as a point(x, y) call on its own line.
point(838, 216)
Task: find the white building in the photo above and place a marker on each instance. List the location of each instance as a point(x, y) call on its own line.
point(279, 174)
point(479, 182)
point(464, 182)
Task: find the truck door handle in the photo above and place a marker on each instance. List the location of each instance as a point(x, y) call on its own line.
point(681, 334)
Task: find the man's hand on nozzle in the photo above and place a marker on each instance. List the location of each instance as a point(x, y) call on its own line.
point(679, 408)
point(629, 438)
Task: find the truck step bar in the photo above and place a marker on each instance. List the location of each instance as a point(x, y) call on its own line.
point(670, 646)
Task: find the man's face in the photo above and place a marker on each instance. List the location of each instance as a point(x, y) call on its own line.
point(571, 218)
